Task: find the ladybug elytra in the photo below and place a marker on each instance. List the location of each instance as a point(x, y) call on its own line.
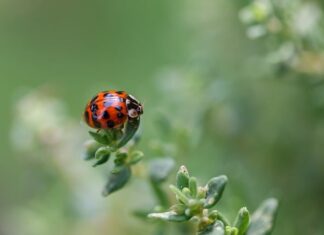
point(111, 109)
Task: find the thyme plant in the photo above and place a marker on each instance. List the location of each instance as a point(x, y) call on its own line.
point(194, 203)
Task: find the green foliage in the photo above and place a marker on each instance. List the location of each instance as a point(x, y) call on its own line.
point(242, 221)
point(117, 180)
point(214, 190)
point(194, 203)
point(262, 221)
point(112, 142)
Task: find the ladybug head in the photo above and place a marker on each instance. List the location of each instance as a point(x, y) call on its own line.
point(135, 108)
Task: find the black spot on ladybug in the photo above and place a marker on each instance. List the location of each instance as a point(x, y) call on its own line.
point(110, 124)
point(105, 115)
point(118, 108)
point(94, 108)
point(95, 121)
point(120, 115)
point(94, 99)
point(120, 92)
point(94, 116)
point(86, 116)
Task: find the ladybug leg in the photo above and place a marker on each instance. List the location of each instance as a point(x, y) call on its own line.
point(98, 131)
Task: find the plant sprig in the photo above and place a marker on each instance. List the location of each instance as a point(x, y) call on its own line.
point(118, 143)
point(195, 203)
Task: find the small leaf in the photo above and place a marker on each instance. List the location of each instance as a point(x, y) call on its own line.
point(213, 215)
point(168, 216)
point(120, 159)
point(182, 177)
point(179, 209)
point(130, 130)
point(186, 192)
point(263, 218)
point(103, 154)
point(91, 147)
point(231, 230)
point(117, 169)
point(222, 218)
point(160, 169)
point(242, 220)
point(102, 151)
point(180, 195)
point(193, 186)
point(117, 181)
point(100, 138)
point(216, 229)
point(215, 188)
point(135, 157)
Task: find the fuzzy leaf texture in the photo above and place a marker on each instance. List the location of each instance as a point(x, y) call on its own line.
point(103, 155)
point(117, 181)
point(242, 221)
point(130, 130)
point(263, 218)
point(215, 188)
point(182, 178)
point(100, 138)
point(168, 216)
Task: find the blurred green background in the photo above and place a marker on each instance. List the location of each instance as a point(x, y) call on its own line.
point(240, 84)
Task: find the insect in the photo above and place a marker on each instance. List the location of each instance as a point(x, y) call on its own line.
point(111, 109)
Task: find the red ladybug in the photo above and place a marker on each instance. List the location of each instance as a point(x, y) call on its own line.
point(111, 109)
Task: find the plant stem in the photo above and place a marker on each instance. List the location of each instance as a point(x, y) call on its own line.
point(222, 218)
point(160, 194)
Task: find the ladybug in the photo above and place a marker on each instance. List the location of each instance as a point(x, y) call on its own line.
point(111, 109)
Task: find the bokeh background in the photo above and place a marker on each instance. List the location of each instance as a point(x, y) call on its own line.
point(229, 87)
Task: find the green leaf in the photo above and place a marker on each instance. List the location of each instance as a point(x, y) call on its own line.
point(102, 154)
point(160, 169)
point(178, 208)
point(262, 221)
point(231, 230)
point(135, 157)
point(222, 218)
point(91, 147)
point(117, 169)
point(215, 188)
point(180, 195)
point(193, 186)
point(216, 229)
point(160, 194)
point(117, 181)
point(130, 130)
point(99, 137)
point(121, 157)
point(182, 178)
point(168, 216)
point(242, 220)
